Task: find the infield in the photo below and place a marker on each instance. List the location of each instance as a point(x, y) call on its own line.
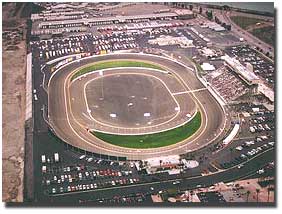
point(153, 140)
point(130, 100)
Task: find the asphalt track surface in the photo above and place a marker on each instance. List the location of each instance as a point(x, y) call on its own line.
point(66, 127)
point(91, 107)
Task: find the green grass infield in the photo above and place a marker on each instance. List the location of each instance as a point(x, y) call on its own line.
point(114, 64)
point(153, 140)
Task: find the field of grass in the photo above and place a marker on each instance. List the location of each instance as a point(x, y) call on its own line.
point(113, 64)
point(244, 22)
point(153, 140)
point(266, 34)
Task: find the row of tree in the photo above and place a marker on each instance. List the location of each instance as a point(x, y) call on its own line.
point(223, 24)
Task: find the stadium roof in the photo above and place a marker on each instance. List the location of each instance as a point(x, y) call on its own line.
point(240, 69)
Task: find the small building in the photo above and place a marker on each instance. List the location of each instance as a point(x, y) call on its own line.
point(162, 164)
point(207, 67)
point(184, 14)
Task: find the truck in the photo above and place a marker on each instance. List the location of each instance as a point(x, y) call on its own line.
point(43, 158)
point(56, 157)
point(44, 169)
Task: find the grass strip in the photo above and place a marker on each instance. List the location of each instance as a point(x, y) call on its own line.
point(153, 140)
point(114, 64)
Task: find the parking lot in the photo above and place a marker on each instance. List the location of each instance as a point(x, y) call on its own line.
point(211, 197)
point(86, 174)
point(54, 48)
point(256, 136)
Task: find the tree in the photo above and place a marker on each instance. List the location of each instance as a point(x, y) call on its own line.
point(191, 7)
point(191, 193)
point(225, 7)
point(228, 27)
point(268, 193)
point(257, 191)
point(248, 194)
point(200, 10)
point(209, 14)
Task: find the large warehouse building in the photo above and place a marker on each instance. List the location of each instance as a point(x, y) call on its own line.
point(49, 23)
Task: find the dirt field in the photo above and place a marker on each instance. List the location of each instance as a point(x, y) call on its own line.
point(129, 97)
point(13, 105)
point(13, 100)
point(138, 9)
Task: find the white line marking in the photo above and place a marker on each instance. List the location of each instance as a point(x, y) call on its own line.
point(187, 92)
point(85, 115)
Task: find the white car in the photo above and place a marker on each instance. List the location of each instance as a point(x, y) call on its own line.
point(82, 157)
point(53, 190)
point(90, 159)
point(243, 156)
point(176, 182)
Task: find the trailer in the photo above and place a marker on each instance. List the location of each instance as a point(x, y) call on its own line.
point(56, 157)
point(43, 158)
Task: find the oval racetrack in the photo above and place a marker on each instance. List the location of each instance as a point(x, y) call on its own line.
point(65, 126)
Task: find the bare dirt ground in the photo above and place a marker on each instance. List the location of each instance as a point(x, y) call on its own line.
point(129, 96)
point(138, 9)
point(13, 107)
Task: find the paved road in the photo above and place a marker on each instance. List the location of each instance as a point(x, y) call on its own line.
point(64, 125)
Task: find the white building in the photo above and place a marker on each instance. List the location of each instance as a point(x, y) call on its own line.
point(207, 67)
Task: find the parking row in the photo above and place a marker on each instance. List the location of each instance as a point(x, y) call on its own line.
point(52, 48)
point(78, 176)
point(91, 185)
point(247, 154)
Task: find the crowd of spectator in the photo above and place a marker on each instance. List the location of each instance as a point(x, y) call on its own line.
point(227, 84)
